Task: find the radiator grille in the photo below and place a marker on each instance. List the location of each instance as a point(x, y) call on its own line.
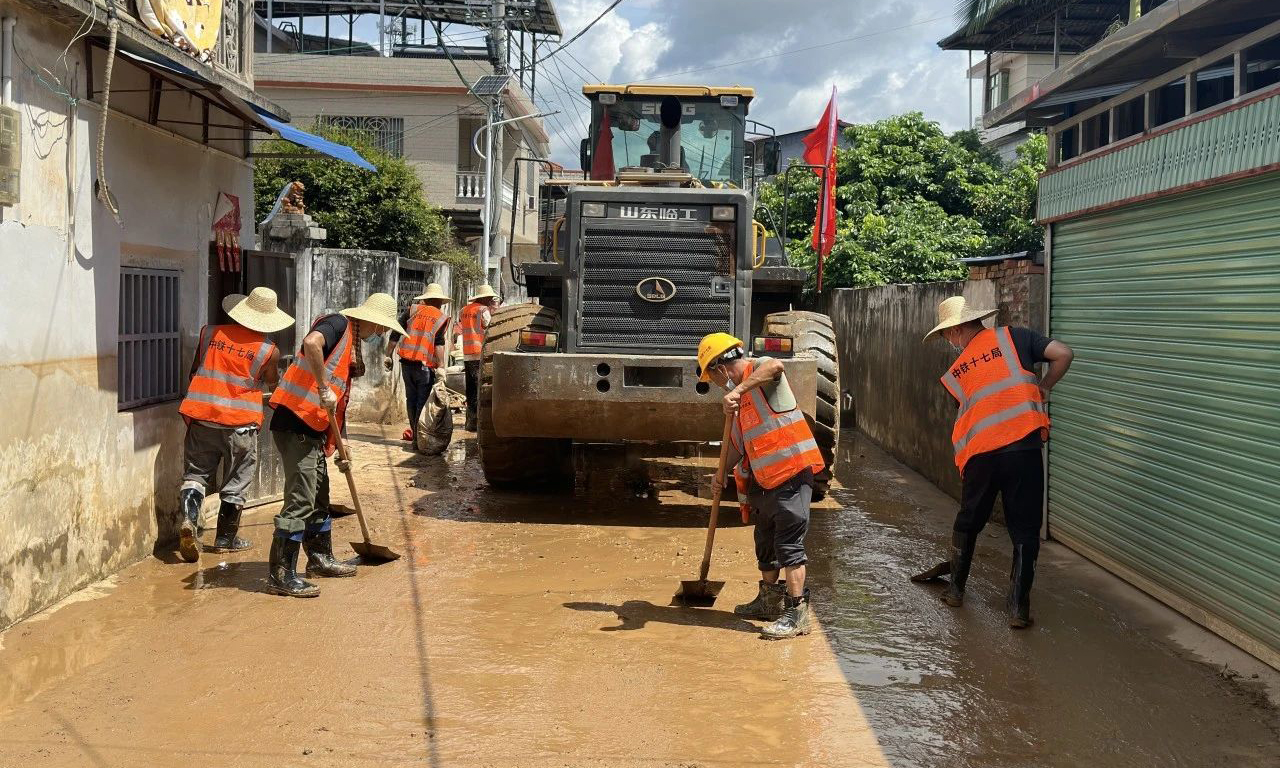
point(616, 259)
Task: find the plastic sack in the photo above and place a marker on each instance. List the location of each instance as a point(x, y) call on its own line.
point(435, 426)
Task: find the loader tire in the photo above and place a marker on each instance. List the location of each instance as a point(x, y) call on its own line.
point(517, 461)
point(812, 334)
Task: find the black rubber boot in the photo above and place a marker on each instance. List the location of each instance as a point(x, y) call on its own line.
point(189, 527)
point(282, 578)
point(470, 424)
point(1021, 575)
point(226, 539)
point(962, 546)
point(768, 602)
point(796, 619)
point(320, 560)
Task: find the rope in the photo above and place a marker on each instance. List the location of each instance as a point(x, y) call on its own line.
point(103, 193)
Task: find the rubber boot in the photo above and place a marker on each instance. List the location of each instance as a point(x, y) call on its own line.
point(796, 618)
point(226, 539)
point(318, 544)
point(470, 424)
point(768, 602)
point(283, 578)
point(1021, 575)
point(189, 528)
point(962, 546)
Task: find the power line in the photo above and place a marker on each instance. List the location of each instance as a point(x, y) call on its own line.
point(583, 31)
point(794, 50)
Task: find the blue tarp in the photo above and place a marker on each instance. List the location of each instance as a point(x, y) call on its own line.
point(311, 141)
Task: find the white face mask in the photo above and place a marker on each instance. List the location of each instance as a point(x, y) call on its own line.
point(729, 384)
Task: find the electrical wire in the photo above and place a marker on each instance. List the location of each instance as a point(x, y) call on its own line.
point(581, 32)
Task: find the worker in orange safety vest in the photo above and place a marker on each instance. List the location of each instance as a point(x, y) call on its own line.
point(223, 412)
point(472, 323)
point(1001, 424)
point(424, 351)
point(309, 393)
point(775, 458)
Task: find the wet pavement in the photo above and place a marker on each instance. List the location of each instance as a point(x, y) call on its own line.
point(537, 630)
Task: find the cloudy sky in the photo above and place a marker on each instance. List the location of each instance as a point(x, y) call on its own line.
point(881, 55)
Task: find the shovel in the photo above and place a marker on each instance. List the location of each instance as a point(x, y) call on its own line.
point(700, 592)
point(369, 552)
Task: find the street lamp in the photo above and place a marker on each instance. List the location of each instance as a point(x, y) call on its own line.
point(488, 175)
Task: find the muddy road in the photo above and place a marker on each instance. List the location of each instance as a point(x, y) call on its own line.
point(536, 630)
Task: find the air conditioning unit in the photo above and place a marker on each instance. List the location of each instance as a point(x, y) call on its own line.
point(10, 154)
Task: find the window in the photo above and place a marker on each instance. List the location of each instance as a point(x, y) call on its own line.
point(149, 350)
point(998, 88)
point(385, 133)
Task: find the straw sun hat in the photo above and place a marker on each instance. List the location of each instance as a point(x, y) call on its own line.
point(433, 291)
point(379, 309)
point(259, 311)
point(484, 292)
point(955, 311)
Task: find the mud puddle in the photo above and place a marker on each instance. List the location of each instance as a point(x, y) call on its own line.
point(538, 630)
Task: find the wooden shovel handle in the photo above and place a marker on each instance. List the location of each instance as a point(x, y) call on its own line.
point(715, 497)
point(351, 480)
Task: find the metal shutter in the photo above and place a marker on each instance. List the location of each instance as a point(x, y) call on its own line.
point(1164, 464)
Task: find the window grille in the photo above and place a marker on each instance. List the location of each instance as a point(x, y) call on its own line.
point(385, 133)
point(150, 344)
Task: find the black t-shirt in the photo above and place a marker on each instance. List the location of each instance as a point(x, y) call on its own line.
point(1030, 347)
point(284, 420)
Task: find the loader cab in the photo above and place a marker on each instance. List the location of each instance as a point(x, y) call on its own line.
point(696, 129)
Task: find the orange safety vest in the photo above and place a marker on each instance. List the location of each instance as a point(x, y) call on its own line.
point(472, 330)
point(776, 446)
point(297, 390)
point(224, 389)
point(1000, 401)
point(423, 327)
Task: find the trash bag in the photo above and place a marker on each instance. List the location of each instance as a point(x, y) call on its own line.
point(435, 426)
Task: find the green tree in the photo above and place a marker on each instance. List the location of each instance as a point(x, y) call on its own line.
point(384, 210)
point(910, 201)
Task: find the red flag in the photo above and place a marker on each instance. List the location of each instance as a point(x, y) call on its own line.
point(602, 160)
point(820, 149)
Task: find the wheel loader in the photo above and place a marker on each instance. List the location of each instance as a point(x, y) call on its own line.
point(660, 247)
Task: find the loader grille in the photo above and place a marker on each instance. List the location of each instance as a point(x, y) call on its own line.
point(615, 260)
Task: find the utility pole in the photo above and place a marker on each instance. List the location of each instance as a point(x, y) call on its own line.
point(494, 170)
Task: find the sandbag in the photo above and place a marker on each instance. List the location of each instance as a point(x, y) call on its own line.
point(435, 426)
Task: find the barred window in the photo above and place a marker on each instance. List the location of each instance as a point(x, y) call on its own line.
point(385, 133)
point(149, 350)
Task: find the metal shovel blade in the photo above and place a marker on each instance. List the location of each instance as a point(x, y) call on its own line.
point(699, 593)
point(372, 554)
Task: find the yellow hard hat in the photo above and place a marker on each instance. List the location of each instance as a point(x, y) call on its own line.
point(712, 346)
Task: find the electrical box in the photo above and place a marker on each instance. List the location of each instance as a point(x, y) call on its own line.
point(10, 155)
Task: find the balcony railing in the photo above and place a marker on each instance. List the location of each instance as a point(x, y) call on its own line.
point(232, 52)
point(469, 185)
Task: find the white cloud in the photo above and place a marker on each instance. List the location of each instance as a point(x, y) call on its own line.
point(893, 65)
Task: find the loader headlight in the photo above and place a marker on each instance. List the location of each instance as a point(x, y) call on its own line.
point(771, 345)
point(593, 210)
point(539, 341)
point(723, 213)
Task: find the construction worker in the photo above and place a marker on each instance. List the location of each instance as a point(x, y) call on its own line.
point(471, 327)
point(775, 458)
point(223, 411)
point(423, 351)
point(304, 408)
point(999, 429)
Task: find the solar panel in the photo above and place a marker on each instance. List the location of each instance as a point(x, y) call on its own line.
point(490, 85)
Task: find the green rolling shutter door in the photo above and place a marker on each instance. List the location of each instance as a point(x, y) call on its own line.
point(1164, 463)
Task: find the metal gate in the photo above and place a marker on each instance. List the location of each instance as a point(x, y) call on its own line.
point(277, 271)
point(1164, 464)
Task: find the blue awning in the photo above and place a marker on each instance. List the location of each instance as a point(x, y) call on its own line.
point(311, 141)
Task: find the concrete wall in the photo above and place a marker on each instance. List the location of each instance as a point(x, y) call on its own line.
point(344, 278)
point(86, 489)
point(892, 376)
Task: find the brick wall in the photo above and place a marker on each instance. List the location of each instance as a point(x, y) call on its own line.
point(1019, 291)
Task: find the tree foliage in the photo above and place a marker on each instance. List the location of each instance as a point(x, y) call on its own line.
point(910, 201)
point(384, 210)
